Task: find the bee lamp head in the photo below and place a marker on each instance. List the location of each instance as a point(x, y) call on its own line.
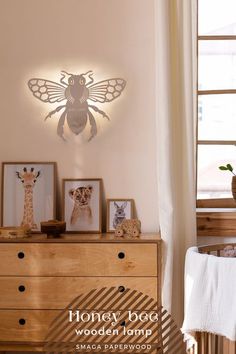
point(76, 80)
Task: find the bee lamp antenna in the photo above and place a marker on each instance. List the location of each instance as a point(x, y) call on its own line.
point(66, 72)
point(90, 71)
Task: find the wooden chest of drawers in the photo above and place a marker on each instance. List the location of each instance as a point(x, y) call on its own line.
point(39, 277)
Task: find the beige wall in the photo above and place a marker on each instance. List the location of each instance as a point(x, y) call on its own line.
point(112, 37)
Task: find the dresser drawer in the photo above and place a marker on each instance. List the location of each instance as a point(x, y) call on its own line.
point(34, 329)
point(85, 259)
point(58, 292)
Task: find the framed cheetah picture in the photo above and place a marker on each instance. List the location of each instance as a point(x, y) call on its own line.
point(82, 205)
point(117, 211)
point(28, 193)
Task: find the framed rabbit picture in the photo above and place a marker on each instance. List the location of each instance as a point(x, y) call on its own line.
point(117, 211)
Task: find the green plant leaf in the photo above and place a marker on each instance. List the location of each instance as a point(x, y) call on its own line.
point(223, 168)
point(229, 167)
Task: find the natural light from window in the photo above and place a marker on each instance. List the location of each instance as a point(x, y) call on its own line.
point(216, 17)
point(216, 98)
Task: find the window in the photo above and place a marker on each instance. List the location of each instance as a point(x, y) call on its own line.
point(216, 97)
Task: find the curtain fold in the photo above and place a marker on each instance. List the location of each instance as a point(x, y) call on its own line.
point(175, 22)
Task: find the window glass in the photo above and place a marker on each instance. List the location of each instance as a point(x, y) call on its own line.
point(217, 117)
point(217, 64)
point(213, 183)
point(217, 17)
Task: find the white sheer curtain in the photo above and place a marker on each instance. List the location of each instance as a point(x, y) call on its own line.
point(176, 122)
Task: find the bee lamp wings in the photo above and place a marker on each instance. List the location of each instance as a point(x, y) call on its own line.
point(106, 90)
point(51, 92)
point(46, 90)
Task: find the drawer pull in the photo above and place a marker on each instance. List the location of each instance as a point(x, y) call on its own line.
point(121, 255)
point(22, 321)
point(21, 255)
point(121, 289)
point(21, 288)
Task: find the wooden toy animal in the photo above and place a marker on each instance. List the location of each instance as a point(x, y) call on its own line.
point(129, 227)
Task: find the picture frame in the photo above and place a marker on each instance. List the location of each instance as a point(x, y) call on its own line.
point(28, 194)
point(82, 209)
point(117, 211)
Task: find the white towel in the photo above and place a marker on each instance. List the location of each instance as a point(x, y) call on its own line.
point(210, 294)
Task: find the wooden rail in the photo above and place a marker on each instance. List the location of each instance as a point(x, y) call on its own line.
point(208, 343)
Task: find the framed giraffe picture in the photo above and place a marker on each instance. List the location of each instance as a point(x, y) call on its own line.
point(28, 193)
point(82, 205)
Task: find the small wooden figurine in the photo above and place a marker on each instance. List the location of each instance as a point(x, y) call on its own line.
point(15, 232)
point(53, 228)
point(128, 227)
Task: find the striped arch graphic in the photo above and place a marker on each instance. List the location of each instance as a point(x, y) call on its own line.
point(137, 324)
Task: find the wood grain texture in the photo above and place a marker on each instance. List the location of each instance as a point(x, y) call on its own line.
point(217, 37)
point(19, 347)
point(34, 329)
point(54, 271)
point(78, 260)
point(88, 238)
point(216, 203)
point(216, 223)
point(208, 343)
point(217, 92)
point(57, 293)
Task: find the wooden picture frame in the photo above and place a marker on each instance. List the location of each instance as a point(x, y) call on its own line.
point(118, 210)
point(28, 194)
point(82, 209)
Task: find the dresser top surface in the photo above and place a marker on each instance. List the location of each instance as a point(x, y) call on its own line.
point(85, 238)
